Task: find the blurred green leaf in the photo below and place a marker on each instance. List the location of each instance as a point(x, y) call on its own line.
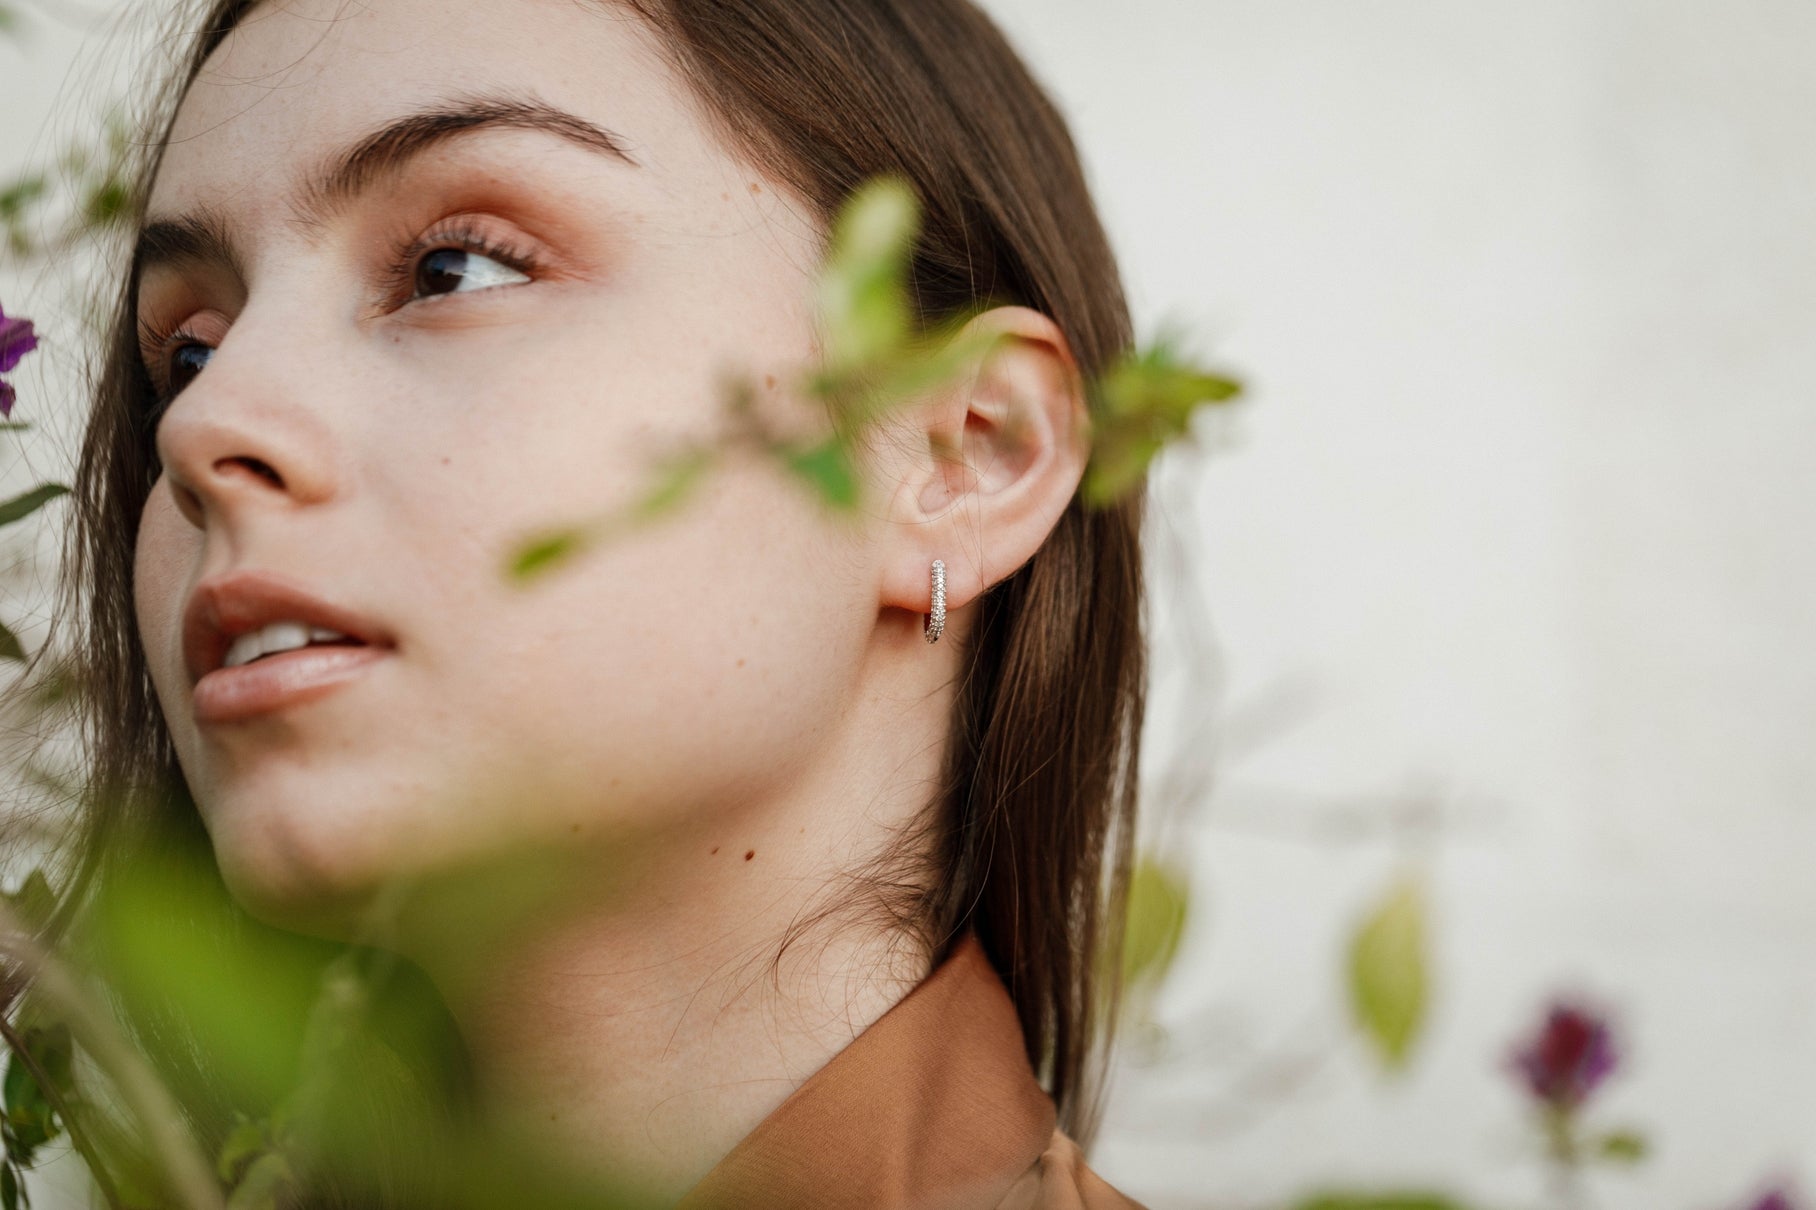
point(15, 426)
point(91, 175)
point(545, 552)
point(863, 300)
point(930, 361)
point(1622, 1146)
point(106, 203)
point(10, 647)
point(1387, 971)
point(9, 1186)
point(17, 198)
point(827, 466)
point(20, 507)
point(20, 193)
point(1159, 898)
point(676, 478)
point(171, 943)
point(1146, 400)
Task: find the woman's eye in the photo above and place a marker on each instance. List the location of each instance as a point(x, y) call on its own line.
point(186, 361)
point(456, 270)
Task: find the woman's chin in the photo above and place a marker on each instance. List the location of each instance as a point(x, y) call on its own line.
point(309, 873)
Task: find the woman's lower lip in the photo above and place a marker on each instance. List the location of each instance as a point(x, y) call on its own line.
point(276, 682)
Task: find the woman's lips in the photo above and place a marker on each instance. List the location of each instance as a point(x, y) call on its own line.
point(276, 682)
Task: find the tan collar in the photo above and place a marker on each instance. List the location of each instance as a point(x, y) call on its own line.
point(934, 1105)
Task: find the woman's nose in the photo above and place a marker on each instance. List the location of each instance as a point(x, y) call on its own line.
point(240, 438)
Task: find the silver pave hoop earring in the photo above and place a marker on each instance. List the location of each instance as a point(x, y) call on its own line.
point(936, 621)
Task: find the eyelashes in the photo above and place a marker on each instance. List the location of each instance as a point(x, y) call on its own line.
point(398, 284)
point(407, 255)
point(158, 348)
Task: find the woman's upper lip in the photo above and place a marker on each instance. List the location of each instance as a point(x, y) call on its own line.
point(226, 606)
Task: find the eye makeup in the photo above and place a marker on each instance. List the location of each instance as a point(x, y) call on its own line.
point(170, 354)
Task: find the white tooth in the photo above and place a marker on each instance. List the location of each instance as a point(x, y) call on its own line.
point(245, 649)
point(283, 636)
point(323, 634)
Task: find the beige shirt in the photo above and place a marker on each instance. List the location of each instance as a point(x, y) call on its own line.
point(934, 1107)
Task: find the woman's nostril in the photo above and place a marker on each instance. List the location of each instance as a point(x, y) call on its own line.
point(265, 470)
point(258, 467)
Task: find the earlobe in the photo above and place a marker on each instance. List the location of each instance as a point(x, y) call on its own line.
point(995, 459)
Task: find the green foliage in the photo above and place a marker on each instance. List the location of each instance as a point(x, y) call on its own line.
point(30, 1119)
point(676, 478)
point(90, 179)
point(1146, 401)
point(1622, 1146)
point(875, 357)
point(828, 467)
point(23, 506)
point(865, 314)
point(337, 1062)
point(545, 552)
point(17, 198)
point(1387, 972)
point(1159, 898)
point(39, 1077)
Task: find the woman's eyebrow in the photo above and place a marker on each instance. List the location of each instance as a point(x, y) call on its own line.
point(206, 236)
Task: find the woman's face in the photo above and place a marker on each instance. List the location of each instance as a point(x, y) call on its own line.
point(444, 273)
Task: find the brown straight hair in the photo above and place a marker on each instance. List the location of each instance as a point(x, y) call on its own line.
point(1033, 828)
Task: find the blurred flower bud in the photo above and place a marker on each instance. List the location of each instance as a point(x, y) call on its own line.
point(1567, 1058)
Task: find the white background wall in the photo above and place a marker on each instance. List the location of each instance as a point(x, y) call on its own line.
point(1507, 559)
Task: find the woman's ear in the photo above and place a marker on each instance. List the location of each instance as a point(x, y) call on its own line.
point(988, 464)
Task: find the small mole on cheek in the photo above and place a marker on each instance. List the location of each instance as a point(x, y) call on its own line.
point(755, 189)
point(740, 663)
point(715, 851)
point(769, 380)
point(576, 829)
point(750, 854)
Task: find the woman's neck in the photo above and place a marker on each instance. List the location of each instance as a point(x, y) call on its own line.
point(649, 1024)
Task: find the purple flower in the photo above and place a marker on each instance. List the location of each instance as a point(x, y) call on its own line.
point(1777, 1199)
point(1565, 1061)
point(16, 340)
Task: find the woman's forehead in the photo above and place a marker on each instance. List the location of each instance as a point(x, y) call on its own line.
point(304, 81)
